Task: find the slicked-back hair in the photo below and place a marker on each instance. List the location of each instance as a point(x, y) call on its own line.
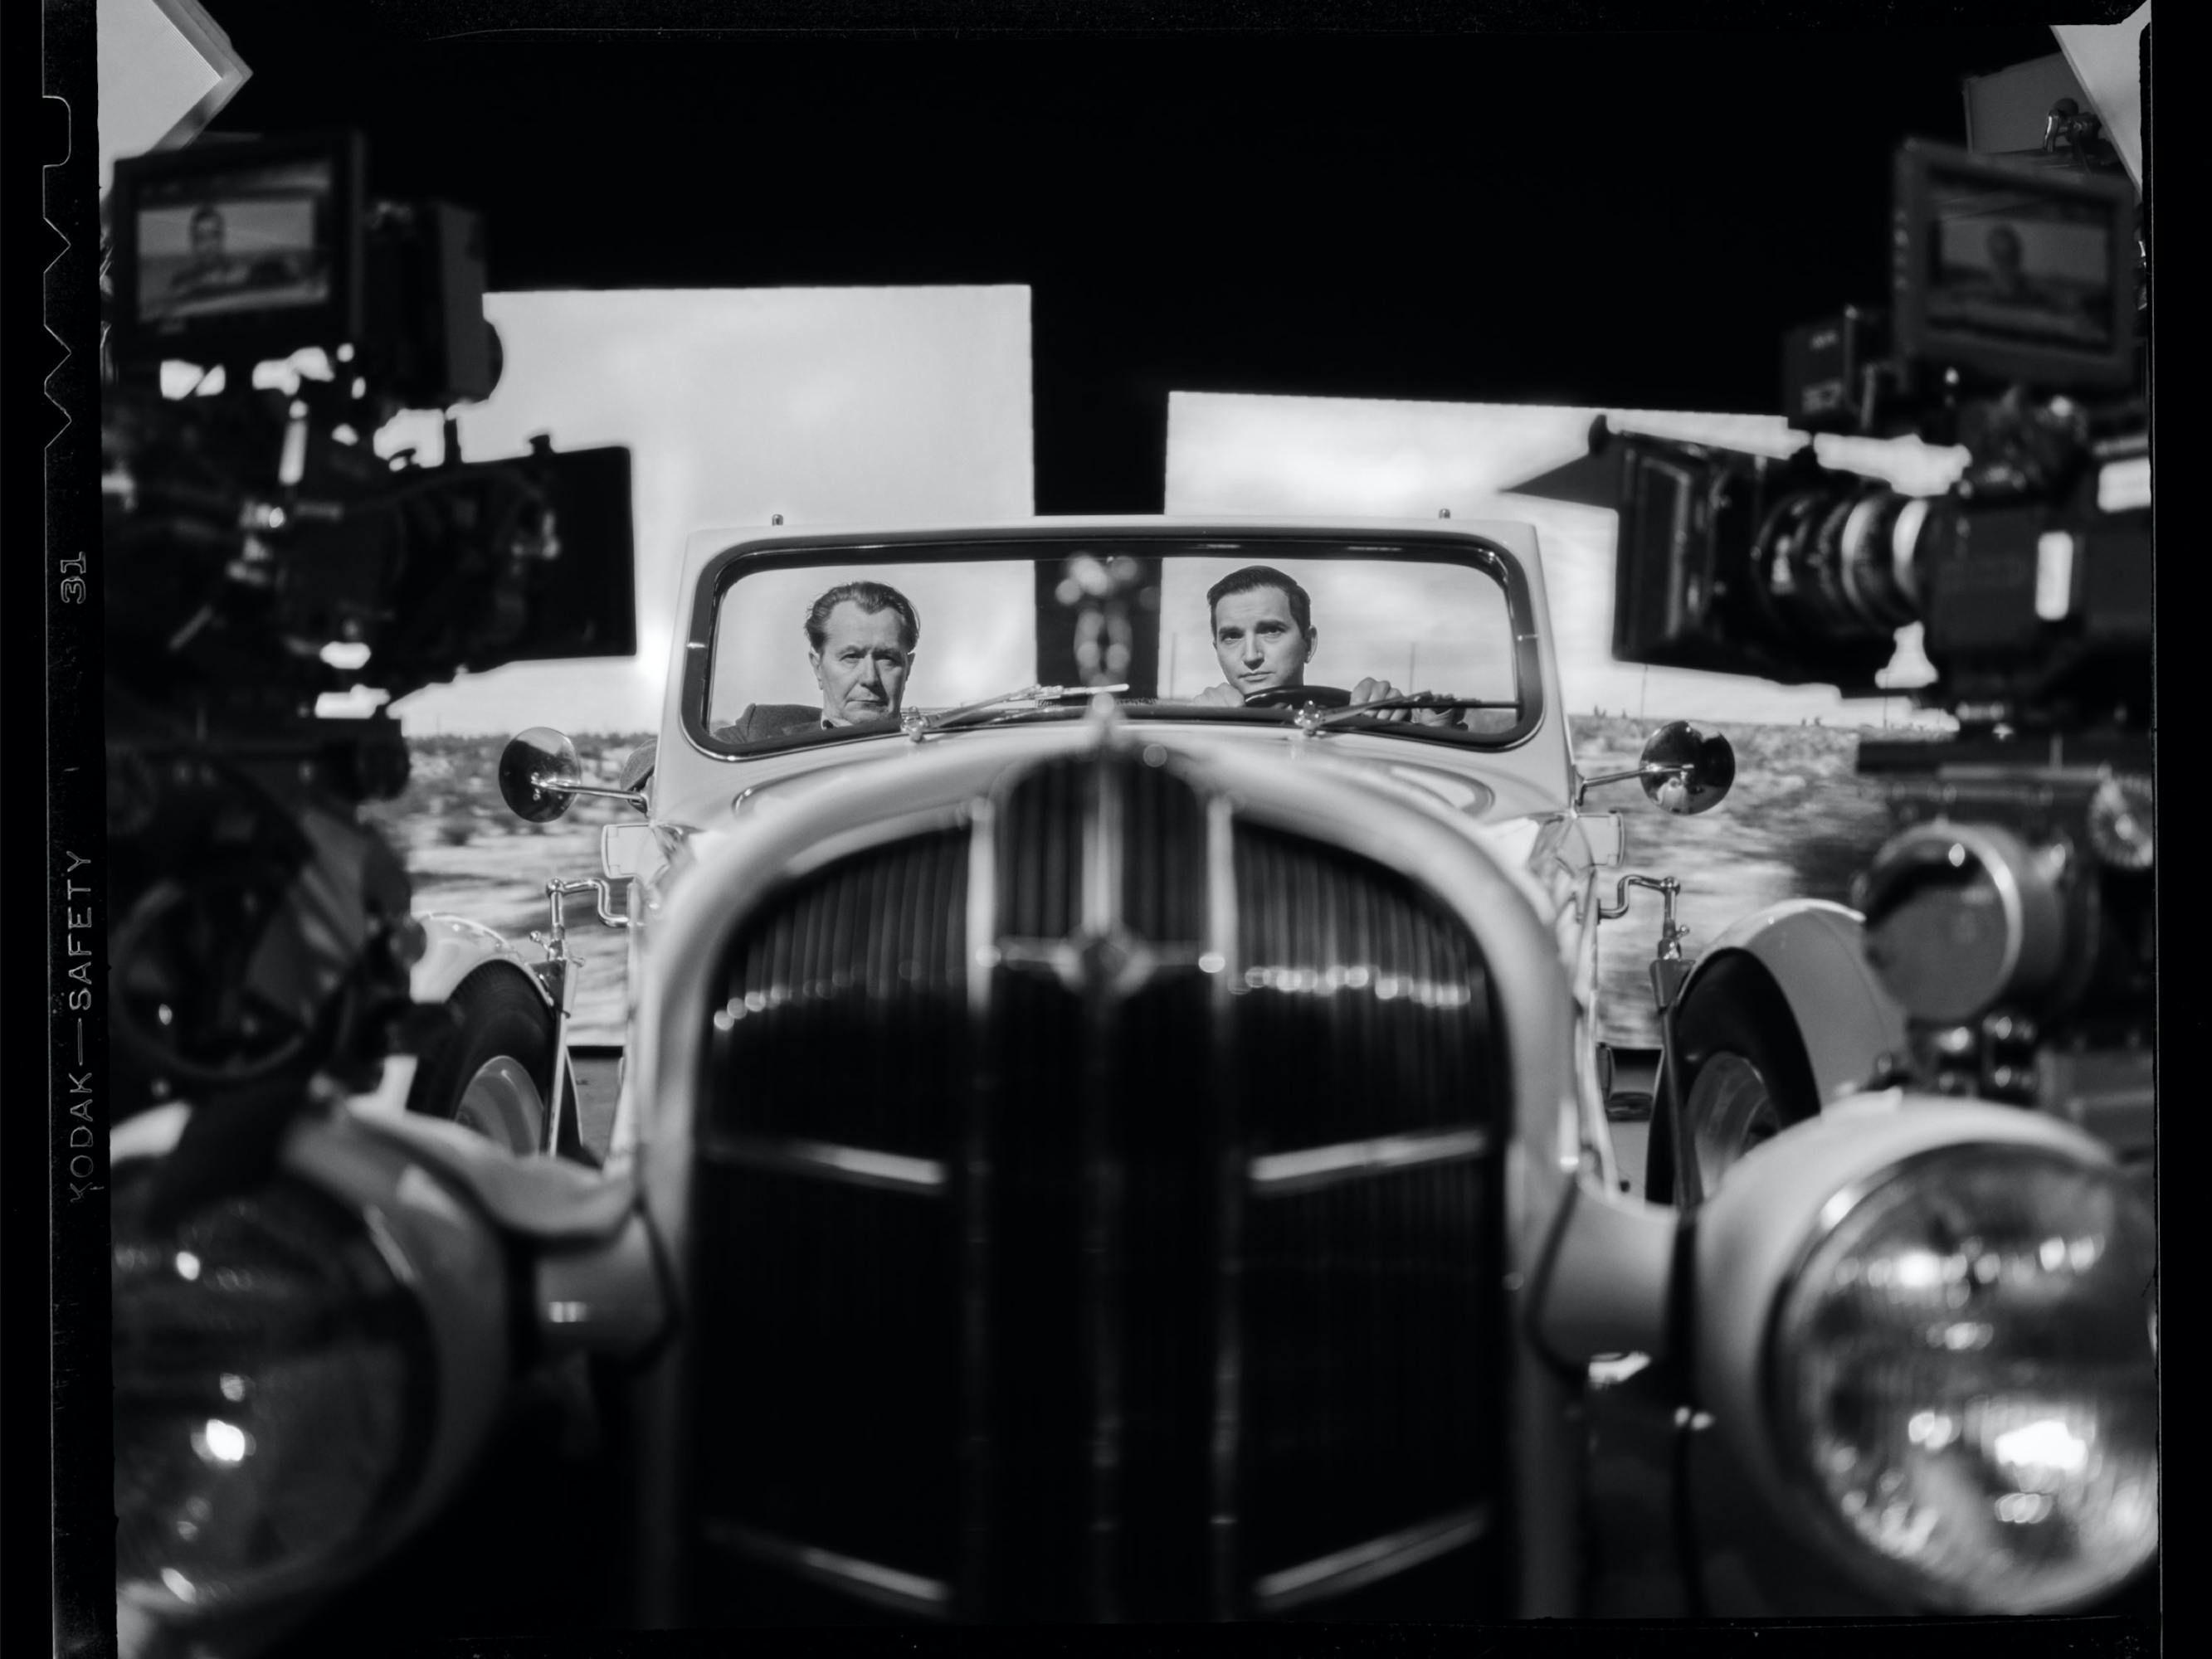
point(1252, 577)
point(870, 597)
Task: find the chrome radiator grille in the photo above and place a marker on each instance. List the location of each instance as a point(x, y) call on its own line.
point(828, 1285)
point(1098, 1220)
point(1373, 1371)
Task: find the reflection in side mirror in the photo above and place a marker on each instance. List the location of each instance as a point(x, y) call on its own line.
point(538, 774)
point(1685, 771)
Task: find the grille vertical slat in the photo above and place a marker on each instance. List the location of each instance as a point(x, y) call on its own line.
point(1369, 1299)
point(845, 1011)
point(1039, 840)
point(858, 1456)
point(844, 1024)
point(1165, 1147)
point(1162, 856)
point(1036, 1357)
point(1366, 1003)
point(1367, 1409)
point(981, 1314)
point(1170, 1291)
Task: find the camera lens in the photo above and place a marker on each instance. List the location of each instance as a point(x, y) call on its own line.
point(1876, 538)
point(1841, 563)
point(1783, 559)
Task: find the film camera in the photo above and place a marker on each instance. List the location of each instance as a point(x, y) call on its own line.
point(262, 553)
point(2011, 912)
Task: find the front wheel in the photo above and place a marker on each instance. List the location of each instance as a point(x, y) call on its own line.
point(1743, 1071)
point(492, 1070)
point(1731, 1110)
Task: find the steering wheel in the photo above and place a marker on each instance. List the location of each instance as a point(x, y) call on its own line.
point(1296, 696)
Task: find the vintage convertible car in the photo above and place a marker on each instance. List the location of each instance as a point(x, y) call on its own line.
point(1108, 1151)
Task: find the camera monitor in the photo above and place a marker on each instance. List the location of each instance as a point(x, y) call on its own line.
point(2019, 273)
point(240, 249)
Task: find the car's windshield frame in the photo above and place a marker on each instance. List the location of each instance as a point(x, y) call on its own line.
point(722, 572)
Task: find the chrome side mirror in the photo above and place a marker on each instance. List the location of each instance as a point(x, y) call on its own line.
point(1681, 769)
point(538, 774)
point(1684, 770)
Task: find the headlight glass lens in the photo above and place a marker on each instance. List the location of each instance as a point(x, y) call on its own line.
point(271, 1389)
point(1964, 1376)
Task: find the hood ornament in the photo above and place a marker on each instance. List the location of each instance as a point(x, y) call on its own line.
point(1101, 590)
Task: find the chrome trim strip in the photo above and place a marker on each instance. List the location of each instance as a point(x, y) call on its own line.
point(1102, 849)
point(1105, 834)
point(1223, 1531)
point(1362, 1564)
point(975, 1452)
point(1278, 1172)
point(859, 1166)
point(903, 1592)
point(982, 906)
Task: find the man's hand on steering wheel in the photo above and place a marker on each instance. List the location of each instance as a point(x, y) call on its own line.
point(1367, 690)
point(1370, 689)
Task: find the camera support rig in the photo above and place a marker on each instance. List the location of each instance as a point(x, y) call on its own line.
point(264, 555)
point(2010, 913)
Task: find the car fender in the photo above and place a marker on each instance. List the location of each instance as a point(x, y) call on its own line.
point(454, 947)
point(1814, 951)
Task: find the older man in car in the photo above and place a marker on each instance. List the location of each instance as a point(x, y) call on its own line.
point(1264, 636)
point(860, 637)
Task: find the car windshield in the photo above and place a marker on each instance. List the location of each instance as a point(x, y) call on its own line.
point(807, 643)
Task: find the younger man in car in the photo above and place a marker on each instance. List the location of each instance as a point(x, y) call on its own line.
point(1264, 636)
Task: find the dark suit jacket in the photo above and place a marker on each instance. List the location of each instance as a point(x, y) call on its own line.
point(771, 719)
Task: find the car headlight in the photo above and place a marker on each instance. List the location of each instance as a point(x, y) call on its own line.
point(1962, 1372)
point(273, 1388)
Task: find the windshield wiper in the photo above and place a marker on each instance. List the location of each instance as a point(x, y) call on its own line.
point(1312, 718)
point(915, 723)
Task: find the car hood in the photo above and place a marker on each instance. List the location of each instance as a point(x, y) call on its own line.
point(1483, 786)
point(1497, 799)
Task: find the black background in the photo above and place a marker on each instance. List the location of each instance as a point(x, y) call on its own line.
point(1592, 217)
